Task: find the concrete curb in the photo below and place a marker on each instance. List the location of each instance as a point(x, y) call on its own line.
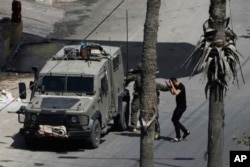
point(51, 2)
point(47, 2)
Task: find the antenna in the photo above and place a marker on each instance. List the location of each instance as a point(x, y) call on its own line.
point(103, 20)
point(127, 39)
point(109, 45)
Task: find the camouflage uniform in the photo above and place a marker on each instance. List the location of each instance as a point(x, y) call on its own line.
point(135, 76)
point(159, 87)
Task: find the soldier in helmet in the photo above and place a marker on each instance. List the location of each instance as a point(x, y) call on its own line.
point(135, 75)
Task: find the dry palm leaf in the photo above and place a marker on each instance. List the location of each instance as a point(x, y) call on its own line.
point(219, 64)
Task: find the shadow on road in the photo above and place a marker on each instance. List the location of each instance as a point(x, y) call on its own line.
point(61, 146)
point(247, 36)
point(170, 56)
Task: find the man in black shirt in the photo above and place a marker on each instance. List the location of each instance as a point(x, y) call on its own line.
point(178, 89)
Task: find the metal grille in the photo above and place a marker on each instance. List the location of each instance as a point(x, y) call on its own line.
point(51, 119)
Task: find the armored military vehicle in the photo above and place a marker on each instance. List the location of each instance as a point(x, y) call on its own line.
point(77, 94)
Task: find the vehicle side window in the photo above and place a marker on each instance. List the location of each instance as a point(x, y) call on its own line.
point(104, 84)
point(116, 62)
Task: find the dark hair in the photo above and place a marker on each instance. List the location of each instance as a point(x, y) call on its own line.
point(173, 79)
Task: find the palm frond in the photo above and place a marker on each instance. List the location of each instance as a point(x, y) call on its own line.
point(206, 67)
point(217, 62)
point(206, 49)
point(200, 44)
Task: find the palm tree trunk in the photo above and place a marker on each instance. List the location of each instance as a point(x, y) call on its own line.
point(149, 99)
point(215, 127)
point(217, 13)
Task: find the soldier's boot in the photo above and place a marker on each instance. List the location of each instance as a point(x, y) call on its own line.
point(157, 136)
point(134, 120)
point(157, 130)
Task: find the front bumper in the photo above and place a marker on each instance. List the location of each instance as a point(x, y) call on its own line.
point(32, 133)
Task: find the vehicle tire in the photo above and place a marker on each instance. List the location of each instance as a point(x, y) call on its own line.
point(95, 135)
point(121, 120)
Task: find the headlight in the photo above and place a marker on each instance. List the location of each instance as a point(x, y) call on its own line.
point(74, 119)
point(34, 117)
point(78, 119)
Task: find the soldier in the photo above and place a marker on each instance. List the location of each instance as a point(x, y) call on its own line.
point(135, 75)
point(159, 87)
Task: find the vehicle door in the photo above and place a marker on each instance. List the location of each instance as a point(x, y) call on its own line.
point(105, 95)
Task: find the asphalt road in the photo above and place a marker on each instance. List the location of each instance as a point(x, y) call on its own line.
point(180, 28)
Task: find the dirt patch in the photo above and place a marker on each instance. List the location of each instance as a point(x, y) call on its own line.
point(9, 81)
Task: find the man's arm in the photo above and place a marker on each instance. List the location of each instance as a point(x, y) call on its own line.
point(162, 87)
point(173, 90)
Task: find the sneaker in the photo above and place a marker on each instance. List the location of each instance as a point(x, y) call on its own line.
point(176, 139)
point(134, 130)
point(186, 134)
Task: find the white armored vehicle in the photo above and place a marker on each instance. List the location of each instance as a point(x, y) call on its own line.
point(76, 95)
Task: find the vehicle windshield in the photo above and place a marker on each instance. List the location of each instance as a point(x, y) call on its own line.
point(76, 84)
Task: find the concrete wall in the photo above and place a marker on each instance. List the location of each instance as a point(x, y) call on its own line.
point(10, 36)
point(4, 49)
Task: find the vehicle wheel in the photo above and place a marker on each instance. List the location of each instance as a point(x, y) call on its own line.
point(95, 135)
point(121, 120)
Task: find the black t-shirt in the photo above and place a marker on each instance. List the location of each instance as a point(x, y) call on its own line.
point(181, 98)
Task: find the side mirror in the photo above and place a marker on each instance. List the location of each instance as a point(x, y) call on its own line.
point(35, 69)
point(22, 90)
point(31, 85)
